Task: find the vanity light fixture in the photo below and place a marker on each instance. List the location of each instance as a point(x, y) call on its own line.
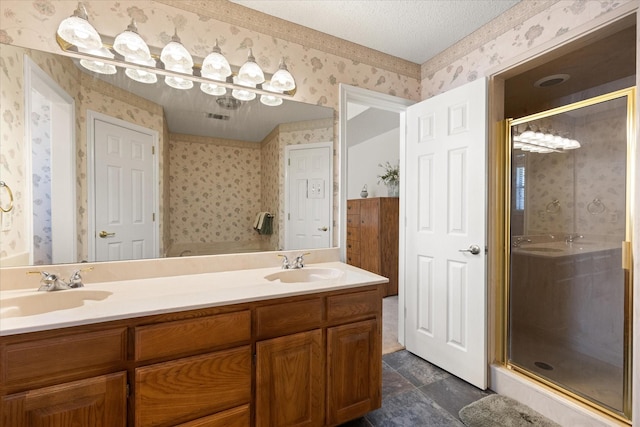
point(251, 72)
point(243, 94)
point(282, 79)
point(140, 63)
point(77, 30)
point(215, 65)
point(96, 65)
point(130, 45)
point(139, 75)
point(270, 100)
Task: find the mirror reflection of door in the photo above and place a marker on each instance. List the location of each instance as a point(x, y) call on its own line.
point(50, 117)
point(125, 194)
point(310, 191)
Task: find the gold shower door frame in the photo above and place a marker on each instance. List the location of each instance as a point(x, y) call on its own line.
point(627, 259)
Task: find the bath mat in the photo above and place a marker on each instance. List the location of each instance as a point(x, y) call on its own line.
point(502, 411)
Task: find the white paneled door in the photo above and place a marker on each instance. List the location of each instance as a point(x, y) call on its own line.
point(445, 194)
point(310, 193)
point(124, 193)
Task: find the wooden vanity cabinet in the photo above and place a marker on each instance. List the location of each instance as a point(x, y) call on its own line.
point(309, 360)
point(372, 237)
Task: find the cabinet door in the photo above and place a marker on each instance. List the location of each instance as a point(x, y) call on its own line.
point(354, 361)
point(96, 402)
point(369, 235)
point(290, 380)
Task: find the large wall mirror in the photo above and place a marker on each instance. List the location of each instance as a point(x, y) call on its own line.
point(217, 166)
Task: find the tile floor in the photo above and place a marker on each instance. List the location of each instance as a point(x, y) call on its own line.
point(414, 392)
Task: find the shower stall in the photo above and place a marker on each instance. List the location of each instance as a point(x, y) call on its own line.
point(568, 296)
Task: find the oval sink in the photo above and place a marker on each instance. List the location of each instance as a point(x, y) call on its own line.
point(45, 302)
point(305, 275)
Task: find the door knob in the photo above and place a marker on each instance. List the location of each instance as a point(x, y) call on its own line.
point(474, 249)
point(322, 228)
point(104, 234)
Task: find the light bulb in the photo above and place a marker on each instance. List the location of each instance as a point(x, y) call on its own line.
point(250, 71)
point(77, 30)
point(130, 45)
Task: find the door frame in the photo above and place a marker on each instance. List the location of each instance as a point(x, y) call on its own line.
point(63, 219)
point(92, 116)
point(329, 190)
point(357, 95)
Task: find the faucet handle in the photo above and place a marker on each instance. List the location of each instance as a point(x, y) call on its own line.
point(75, 281)
point(285, 262)
point(299, 262)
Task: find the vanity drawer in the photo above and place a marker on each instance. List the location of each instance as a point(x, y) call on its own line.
point(288, 318)
point(236, 417)
point(183, 337)
point(190, 388)
point(62, 357)
point(353, 207)
point(353, 306)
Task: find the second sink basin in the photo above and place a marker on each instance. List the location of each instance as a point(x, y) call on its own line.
point(305, 275)
point(44, 302)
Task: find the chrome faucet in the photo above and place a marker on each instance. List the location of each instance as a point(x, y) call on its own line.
point(520, 240)
point(571, 237)
point(52, 282)
point(297, 263)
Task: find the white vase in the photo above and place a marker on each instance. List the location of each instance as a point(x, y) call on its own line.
point(393, 189)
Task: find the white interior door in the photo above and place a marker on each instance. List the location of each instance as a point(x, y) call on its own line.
point(124, 193)
point(309, 189)
point(445, 278)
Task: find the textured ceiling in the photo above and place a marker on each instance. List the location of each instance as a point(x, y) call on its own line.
point(415, 30)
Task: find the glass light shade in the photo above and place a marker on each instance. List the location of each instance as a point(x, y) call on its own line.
point(178, 82)
point(282, 79)
point(77, 30)
point(141, 76)
point(250, 71)
point(130, 45)
point(270, 100)
point(243, 94)
point(175, 56)
point(215, 65)
point(213, 89)
point(98, 66)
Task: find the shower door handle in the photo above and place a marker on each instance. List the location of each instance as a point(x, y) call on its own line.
point(474, 249)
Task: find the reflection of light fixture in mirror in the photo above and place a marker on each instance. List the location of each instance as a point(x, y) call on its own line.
point(243, 94)
point(542, 142)
point(142, 76)
point(270, 100)
point(98, 66)
point(176, 57)
point(213, 89)
point(130, 45)
point(251, 72)
point(77, 30)
point(178, 82)
point(282, 79)
point(215, 65)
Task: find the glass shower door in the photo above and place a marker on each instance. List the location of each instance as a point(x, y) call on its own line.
point(568, 293)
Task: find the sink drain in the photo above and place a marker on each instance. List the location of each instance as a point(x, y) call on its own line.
point(544, 366)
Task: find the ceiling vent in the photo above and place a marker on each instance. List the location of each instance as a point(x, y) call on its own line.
point(217, 116)
point(553, 80)
point(228, 103)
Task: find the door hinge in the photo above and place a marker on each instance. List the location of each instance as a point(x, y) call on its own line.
point(153, 150)
point(153, 217)
point(128, 390)
point(288, 162)
point(626, 255)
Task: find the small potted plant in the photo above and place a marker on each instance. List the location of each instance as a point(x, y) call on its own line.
point(391, 178)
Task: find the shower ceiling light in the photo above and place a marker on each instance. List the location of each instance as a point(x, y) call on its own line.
point(77, 30)
point(552, 80)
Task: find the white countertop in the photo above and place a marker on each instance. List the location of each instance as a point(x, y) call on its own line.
point(143, 297)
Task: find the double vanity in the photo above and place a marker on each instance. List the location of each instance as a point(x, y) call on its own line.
point(229, 347)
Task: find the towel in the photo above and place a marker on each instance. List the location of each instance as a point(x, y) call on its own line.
point(263, 223)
